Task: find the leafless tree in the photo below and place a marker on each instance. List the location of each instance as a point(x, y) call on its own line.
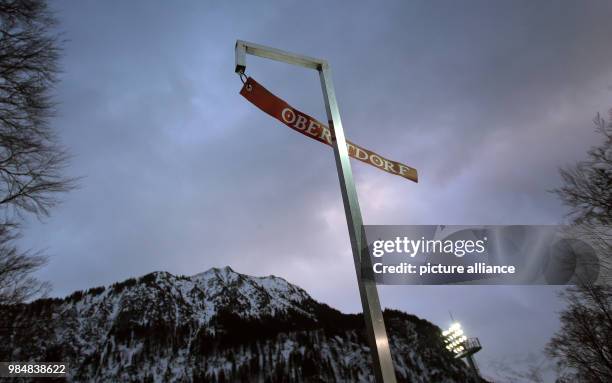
point(587, 191)
point(587, 188)
point(31, 159)
point(582, 346)
point(16, 282)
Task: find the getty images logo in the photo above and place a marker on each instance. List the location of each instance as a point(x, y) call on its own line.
point(411, 247)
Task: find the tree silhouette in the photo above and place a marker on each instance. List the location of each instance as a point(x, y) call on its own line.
point(587, 188)
point(587, 191)
point(31, 159)
point(16, 282)
point(583, 346)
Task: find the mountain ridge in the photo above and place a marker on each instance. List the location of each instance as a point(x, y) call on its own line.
point(216, 326)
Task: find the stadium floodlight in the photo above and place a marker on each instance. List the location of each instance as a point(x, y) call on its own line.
point(455, 339)
point(461, 346)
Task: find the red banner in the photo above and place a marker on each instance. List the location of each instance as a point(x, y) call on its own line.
point(310, 127)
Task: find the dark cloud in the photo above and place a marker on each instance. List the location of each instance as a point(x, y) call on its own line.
point(486, 99)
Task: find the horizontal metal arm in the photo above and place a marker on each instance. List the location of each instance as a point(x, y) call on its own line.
point(244, 47)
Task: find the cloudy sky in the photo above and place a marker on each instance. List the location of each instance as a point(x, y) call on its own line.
point(486, 99)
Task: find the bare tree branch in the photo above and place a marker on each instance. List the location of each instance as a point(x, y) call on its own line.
point(582, 346)
point(32, 161)
point(587, 188)
point(16, 283)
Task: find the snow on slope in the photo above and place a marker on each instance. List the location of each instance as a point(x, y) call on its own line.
point(215, 326)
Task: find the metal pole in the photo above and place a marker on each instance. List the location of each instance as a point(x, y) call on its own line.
point(473, 366)
point(375, 326)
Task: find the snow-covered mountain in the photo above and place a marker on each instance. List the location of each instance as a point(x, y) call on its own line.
point(217, 326)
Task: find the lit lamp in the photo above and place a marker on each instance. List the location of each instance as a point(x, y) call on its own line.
point(462, 346)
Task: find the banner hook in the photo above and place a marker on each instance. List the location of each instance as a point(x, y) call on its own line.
point(244, 78)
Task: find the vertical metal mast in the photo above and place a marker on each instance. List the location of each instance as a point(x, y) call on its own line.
point(375, 326)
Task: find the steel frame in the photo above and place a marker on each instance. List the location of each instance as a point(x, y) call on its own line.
point(375, 326)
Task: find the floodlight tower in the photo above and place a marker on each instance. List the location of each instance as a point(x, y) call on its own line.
point(462, 346)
